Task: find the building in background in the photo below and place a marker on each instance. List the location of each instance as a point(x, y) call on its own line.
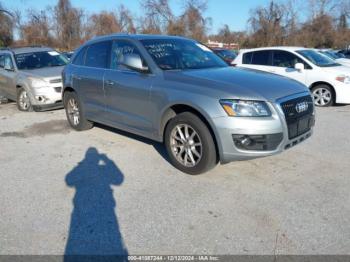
point(216, 44)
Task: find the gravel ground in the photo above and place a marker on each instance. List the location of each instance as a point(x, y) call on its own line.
point(53, 201)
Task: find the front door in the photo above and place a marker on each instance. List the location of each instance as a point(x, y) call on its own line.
point(283, 64)
point(7, 76)
point(127, 92)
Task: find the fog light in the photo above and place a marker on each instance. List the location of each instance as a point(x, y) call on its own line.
point(257, 142)
point(246, 141)
point(242, 141)
point(41, 98)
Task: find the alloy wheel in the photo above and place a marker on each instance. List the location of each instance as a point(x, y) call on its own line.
point(73, 111)
point(24, 101)
point(322, 96)
point(186, 145)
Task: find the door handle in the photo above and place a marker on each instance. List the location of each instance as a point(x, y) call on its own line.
point(77, 77)
point(110, 82)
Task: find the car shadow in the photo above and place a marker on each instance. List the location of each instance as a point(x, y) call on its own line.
point(159, 147)
point(94, 232)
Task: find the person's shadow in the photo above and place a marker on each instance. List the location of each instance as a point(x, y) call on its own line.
point(94, 229)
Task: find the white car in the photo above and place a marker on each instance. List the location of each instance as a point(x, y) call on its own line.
point(328, 81)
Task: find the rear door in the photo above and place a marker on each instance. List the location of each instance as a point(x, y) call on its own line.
point(89, 79)
point(7, 77)
point(259, 60)
point(284, 62)
point(128, 91)
point(2, 76)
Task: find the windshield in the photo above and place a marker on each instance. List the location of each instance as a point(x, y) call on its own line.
point(340, 55)
point(226, 54)
point(318, 58)
point(179, 54)
point(329, 54)
point(38, 60)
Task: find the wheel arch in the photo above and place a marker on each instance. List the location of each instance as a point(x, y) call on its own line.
point(178, 108)
point(327, 84)
point(68, 89)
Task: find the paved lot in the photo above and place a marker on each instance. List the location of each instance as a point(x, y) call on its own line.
point(52, 201)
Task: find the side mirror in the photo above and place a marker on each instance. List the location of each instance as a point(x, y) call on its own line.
point(134, 62)
point(299, 67)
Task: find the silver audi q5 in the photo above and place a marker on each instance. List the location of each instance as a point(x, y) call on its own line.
point(177, 91)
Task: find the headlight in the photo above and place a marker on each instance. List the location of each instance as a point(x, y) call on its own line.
point(37, 82)
point(344, 79)
point(245, 108)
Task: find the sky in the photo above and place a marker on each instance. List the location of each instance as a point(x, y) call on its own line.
point(235, 13)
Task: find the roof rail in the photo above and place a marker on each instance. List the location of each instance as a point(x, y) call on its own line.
point(26, 46)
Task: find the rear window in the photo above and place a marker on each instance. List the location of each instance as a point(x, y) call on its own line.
point(261, 58)
point(247, 58)
point(79, 59)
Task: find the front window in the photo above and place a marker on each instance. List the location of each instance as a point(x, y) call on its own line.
point(179, 54)
point(286, 59)
point(119, 50)
point(36, 60)
point(317, 58)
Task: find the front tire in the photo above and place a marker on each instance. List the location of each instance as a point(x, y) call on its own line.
point(323, 95)
point(74, 112)
point(23, 100)
point(190, 144)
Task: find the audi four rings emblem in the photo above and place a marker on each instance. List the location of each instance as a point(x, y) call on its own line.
point(302, 107)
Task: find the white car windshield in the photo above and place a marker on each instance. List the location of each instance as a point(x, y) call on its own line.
point(317, 58)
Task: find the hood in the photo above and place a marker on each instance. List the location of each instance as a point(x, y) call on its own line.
point(47, 72)
point(343, 61)
point(229, 82)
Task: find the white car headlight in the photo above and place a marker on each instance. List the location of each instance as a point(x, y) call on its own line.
point(344, 79)
point(245, 108)
point(37, 82)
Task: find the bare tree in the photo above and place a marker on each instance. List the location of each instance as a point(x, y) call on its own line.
point(126, 20)
point(267, 25)
point(36, 30)
point(321, 7)
point(68, 24)
point(193, 20)
point(6, 27)
point(158, 16)
point(102, 24)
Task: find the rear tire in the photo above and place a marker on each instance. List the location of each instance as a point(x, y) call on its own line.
point(75, 112)
point(323, 95)
point(23, 101)
point(190, 144)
